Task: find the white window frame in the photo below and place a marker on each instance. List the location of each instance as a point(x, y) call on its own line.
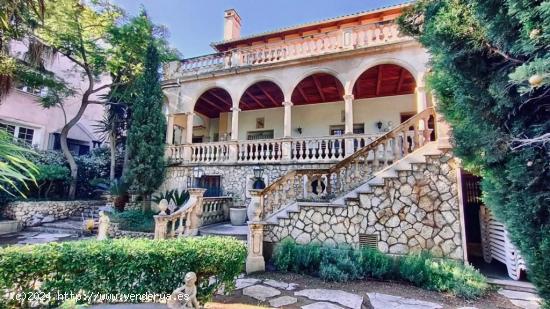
point(35, 135)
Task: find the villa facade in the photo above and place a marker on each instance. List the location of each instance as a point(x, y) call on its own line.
point(335, 118)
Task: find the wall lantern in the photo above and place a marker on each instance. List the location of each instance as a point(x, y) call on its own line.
point(258, 180)
point(379, 125)
point(299, 130)
point(197, 173)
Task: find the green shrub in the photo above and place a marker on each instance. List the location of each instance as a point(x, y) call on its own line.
point(135, 220)
point(119, 266)
point(344, 263)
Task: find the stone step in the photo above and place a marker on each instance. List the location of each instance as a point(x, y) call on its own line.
point(54, 230)
point(519, 286)
point(224, 229)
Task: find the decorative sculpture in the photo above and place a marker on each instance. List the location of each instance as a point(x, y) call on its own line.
point(103, 227)
point(186, 295)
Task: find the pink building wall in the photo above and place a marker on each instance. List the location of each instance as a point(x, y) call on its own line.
point(23, 109)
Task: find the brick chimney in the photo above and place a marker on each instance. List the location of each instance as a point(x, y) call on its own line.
point(232, 25)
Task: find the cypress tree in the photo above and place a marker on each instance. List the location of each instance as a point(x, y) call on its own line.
point(491, 74)
point(146, 134)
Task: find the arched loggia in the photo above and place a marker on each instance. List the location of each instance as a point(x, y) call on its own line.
point(211, 106)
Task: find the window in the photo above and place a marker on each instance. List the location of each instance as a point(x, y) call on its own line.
point(39, 91)
point(358, 128)
point(252, 136)
point(76, 147)
point(25, 135)
point(19, 133)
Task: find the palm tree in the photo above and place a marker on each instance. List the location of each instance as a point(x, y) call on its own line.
point(16, 170)
point(111, 128)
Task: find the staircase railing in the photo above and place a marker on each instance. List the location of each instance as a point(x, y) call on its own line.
point(215, 209)
point(351, 172)
point(183, 222)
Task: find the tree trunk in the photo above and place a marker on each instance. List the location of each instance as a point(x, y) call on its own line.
point(112, 144)
point(146, 203)
point(65, 148)
point(126, 158)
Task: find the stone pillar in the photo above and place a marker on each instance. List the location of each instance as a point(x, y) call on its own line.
point(421, 99)
point(348, 111)
point(170, 130)
point(189, 128)
point(235, 123)
point(161, 224)
point(287, 132)
point(254, 209)
point(255, 260)
point(443, 130)
point(193, 221)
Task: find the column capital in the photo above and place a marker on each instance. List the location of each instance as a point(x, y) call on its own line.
point(348, 97)
point(189, 113)
point(288, 103)
point(235, 109)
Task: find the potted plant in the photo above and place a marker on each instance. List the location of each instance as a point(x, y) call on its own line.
point(237, 213)
point(119, 193)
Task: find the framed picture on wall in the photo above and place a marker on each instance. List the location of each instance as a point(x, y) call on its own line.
point(260, 123)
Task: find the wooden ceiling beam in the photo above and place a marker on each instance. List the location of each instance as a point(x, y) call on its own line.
point(267, 95)
point(401, 78)
point(301, 91)
point(212, 104)
point(319, 89)
point(254, 99)
point(220, 98)
point(379, 80)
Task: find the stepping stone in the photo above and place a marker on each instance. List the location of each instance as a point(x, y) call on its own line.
point(245, 282)
point(349, 300)
point(384, 301)
point(524, 300)
point(281, 285)
point(282, 301)
point(261, 292)
point(321, 305)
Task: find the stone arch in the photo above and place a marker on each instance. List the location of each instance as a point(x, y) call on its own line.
point(261, 94)
point(213, 101)
point(370, 63)
point(313, 71)
point(384, 79)
point(321, 86)
point(264, 78)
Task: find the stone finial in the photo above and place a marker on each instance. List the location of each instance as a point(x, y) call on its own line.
point(186, 295)
point(103, 227)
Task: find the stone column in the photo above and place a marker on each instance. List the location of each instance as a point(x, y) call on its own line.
point(443, 130)
point(255, 260)
point(235, 123)
point(421, 99)
point(348, 111)
point(189, 128)
point(287, 132)
point(170, 130)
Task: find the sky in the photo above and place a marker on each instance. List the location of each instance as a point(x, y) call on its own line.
point(194, 24)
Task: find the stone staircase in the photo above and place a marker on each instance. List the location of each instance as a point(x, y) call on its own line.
point(72, 225)
point(379, 179)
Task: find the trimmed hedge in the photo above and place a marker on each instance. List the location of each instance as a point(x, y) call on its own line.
point(343, 264)
point(120, 266)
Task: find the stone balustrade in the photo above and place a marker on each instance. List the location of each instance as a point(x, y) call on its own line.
point(354, 170)
point(215, 209)
point(339, 40)
point(325, 149)
point(183, 222)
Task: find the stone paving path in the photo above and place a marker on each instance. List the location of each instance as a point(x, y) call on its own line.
point(24, 237)
point(277, 294)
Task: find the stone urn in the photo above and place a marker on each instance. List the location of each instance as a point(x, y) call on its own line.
point(237, 215)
